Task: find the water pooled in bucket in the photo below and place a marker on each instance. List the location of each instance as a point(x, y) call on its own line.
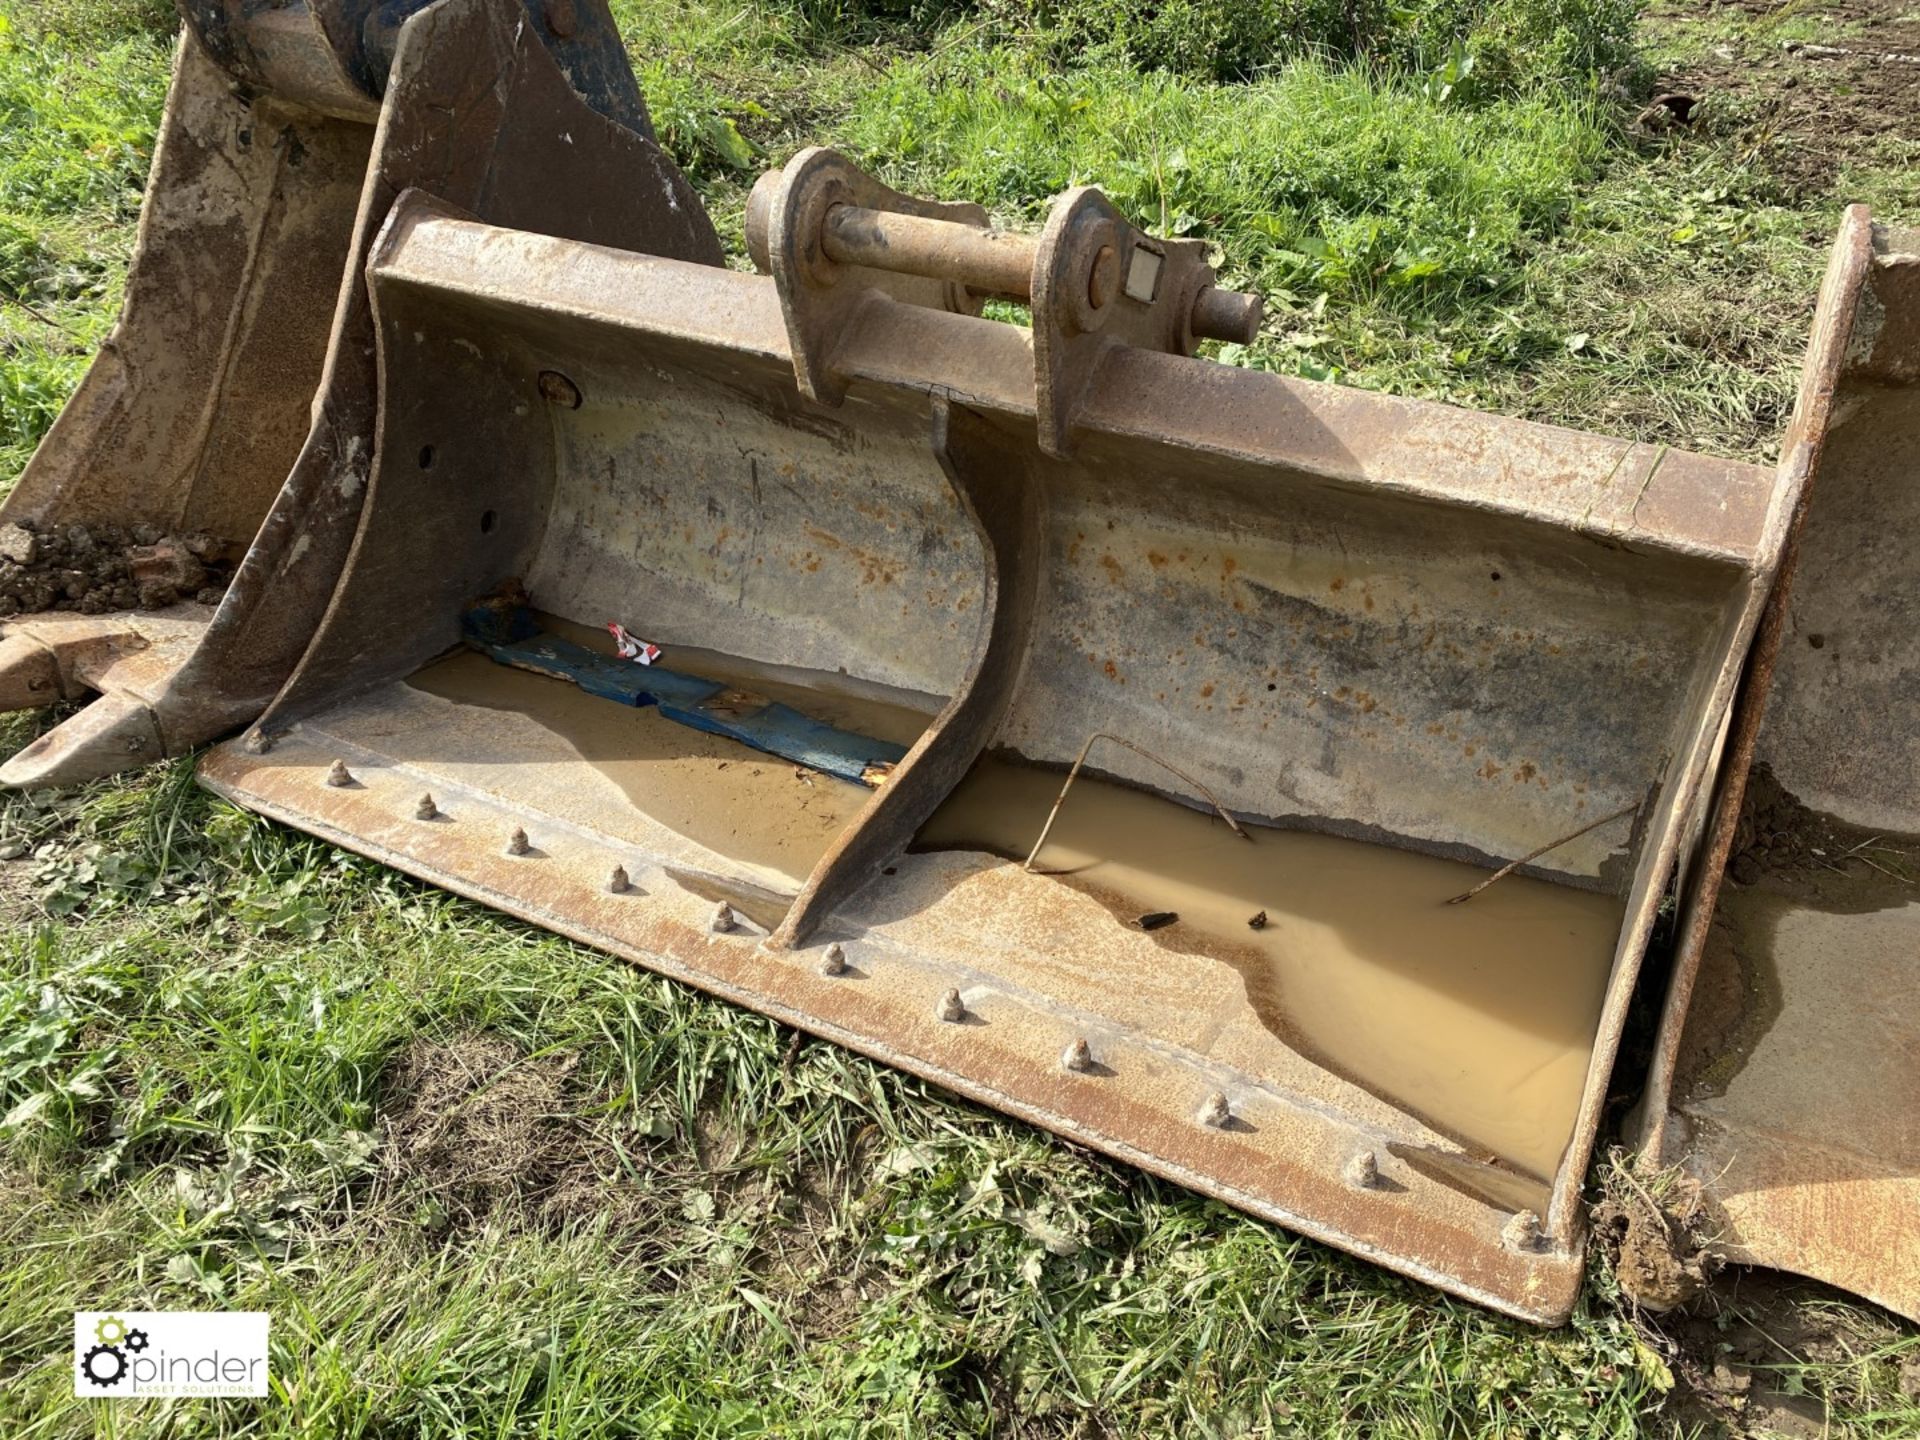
point(754, 809)
point(1479, 1017)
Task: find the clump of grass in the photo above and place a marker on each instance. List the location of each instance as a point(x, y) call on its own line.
point(1313, 179)
point(37, 373)
point(87, 24)
point(77, 149)
point(1518, 45)
point(73, 158)
point(1501, 45)
point(1513, 252)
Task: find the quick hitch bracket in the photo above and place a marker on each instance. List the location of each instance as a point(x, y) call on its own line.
point(833, 238)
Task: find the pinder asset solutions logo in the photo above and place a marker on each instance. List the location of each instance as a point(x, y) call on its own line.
point(128, 1354)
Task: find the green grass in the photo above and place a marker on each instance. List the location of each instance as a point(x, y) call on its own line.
point(1311, 180)
point(490, 1183)
point(1514, 250)
point(77, 116)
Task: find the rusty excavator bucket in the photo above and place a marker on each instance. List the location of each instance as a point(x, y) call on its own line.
point(1787, 1077)
point(176, 537)
point(1272, 785)
point(1115, 737)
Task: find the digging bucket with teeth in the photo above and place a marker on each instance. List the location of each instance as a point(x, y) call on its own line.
point(750, 626)
point(175, 539)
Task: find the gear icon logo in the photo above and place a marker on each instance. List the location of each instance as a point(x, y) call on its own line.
point(108, 1361)
point(104, 1365)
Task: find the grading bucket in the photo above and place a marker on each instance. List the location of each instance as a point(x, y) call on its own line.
point(1786, 1081)
point(748, 626)
point(173, 542)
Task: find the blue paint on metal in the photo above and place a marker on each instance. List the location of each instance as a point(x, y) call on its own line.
point(498, 624)
point(512, 637)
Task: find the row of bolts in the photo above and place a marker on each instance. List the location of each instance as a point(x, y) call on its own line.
point(1362, 1171)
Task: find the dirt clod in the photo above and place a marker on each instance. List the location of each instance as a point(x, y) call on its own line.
point(1729, 1381)
point(1654, 1230)
point(97, 568)
point(1777, 835)
point(18, 545)
point(1667, 111)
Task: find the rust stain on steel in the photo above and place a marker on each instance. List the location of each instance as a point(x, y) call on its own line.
point(1001, 497)
point(835, 239)
point(1805, 440)
point(1210, 415)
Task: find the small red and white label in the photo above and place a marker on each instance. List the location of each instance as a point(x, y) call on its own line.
point(630, 646)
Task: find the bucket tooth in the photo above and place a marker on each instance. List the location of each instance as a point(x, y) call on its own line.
point(114, 732)
point(29, 674)
point(897, 565)
point(67, 657)
point(237, 397)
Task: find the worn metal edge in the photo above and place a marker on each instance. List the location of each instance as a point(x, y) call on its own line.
point(1827, 348)
point(987, 365)
point(1539, 1287)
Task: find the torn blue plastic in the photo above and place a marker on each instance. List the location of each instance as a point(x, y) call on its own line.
point(513, 637)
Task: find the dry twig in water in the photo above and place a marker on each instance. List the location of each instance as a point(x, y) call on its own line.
point(1074, 774)
point(1513, 865)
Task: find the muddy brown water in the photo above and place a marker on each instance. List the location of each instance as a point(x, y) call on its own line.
point(1479, 1018)
point(756, 810)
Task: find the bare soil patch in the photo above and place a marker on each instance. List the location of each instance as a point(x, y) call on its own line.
point(473, 1128)
point(476, 1132)
point(1810, 108)
point(1741, 1351)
